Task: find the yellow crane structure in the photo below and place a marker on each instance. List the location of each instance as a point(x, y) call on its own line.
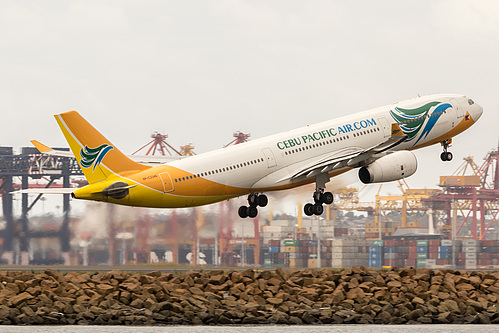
point(408, 202)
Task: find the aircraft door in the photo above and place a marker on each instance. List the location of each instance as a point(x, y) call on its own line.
point(166, 179)
point(269, 156)
point(456, 106)
point(387, 131)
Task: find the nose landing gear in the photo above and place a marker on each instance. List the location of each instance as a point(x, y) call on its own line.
point(254, 200)
point(446, 155)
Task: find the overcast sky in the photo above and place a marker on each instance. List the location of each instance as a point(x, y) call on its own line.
point(199, 70)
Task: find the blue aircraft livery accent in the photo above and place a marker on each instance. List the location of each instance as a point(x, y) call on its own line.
point(94, 156)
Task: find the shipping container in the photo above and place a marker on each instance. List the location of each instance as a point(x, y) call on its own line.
point(445, 249)
point(471, 243)
point(291, 249)
point(274, 249)
point(489, 249)
point(443, 262)
point(470, 249)
point(430, 263)
point(423, 242)
point(422, 249)
point(421, 263)
point(390, 255)
point(410, 262)
point(274, 242)
point(375, 249)
point(433, 255)
point(312, 263)
point(375, 263)
point(445, 255)
point(470, 262)
point(295, 255)
point(377, 242)
point(448, 242)
point(471, 255)
point(433, 242)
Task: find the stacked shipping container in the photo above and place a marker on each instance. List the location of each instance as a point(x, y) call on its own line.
point(339, 253)
point(372, 229)
point(349, 253)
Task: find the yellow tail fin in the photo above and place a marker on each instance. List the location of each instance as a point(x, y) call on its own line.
point(97, 157)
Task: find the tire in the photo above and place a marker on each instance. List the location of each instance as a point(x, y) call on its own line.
point(443, 156)
point(243, 212)
point(318, 198)
point(318, 209)
point(262, 200)
point(308, 209)
point(252, 212)
point(253, 200)
point(328, 198)
point(448, 156)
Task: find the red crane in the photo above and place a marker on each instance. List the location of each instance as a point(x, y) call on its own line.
point(240, 137)
point(159, 143)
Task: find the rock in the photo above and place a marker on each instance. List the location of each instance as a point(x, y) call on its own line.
point(451, 306)
point(393, 284)
point(20, 299)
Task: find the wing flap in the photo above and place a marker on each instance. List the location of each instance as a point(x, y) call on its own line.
point(352, 157)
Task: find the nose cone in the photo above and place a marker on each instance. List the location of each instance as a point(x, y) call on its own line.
point(477, 111)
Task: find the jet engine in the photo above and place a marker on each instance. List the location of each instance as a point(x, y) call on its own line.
point(391, 167)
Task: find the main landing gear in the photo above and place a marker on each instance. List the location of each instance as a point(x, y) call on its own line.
point(446, 155)
point(320, 197)
point(254, 200)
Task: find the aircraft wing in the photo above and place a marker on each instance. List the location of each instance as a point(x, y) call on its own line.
point(148, 159)
point(350, 157)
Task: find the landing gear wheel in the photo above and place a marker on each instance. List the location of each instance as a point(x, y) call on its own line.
point(243, 212)
point(318, 209)
point(446, 156)
point(308, 209)
point(252, 199)
point(252, 211)
point(318, 197)
point(262, 200)
point(328, 198)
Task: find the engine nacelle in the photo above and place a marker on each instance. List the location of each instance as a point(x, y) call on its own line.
point(391, 167)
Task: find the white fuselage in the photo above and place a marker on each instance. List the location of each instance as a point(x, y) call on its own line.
point(271, 162)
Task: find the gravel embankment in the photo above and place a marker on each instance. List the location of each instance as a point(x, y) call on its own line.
point(352, 296)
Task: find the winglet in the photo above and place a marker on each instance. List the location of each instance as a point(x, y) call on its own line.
point(396, 131)
point(40, 146)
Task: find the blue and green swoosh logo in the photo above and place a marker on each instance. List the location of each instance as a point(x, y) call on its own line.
point(417, 123)
point(94, 156)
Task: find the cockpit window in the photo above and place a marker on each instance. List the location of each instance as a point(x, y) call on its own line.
point(470, 102)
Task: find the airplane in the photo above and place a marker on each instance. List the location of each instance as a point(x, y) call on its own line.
point(379, 142)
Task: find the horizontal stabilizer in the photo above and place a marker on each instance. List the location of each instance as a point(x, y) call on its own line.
point(144, 159)
point(61, 190)
point(50, 151)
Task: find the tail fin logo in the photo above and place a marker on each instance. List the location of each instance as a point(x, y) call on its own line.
point(94, 156)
